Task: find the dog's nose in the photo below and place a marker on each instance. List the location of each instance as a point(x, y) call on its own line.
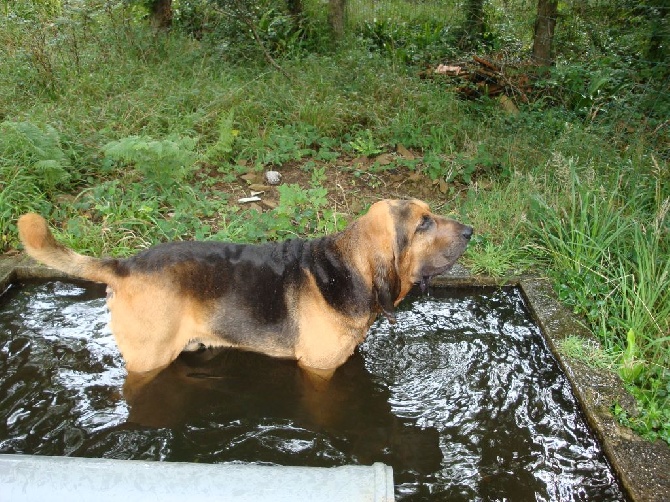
point(467, 232)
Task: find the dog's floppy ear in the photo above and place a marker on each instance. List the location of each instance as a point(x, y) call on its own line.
point(382, 238)
point(387, 280)
point(386, 287)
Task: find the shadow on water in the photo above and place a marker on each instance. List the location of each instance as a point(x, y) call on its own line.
point(461, 397)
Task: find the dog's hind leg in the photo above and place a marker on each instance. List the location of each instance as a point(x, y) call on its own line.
point(147, 323)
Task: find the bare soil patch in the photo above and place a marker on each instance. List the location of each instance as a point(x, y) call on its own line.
point(352, 183)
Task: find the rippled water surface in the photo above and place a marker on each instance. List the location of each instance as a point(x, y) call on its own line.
point(461, 397)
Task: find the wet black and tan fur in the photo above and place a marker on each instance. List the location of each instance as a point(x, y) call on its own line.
point(309, 300)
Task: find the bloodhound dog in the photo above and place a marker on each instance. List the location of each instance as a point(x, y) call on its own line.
point(309, 300)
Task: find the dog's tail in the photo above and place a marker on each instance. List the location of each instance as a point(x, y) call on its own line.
point(40, 244)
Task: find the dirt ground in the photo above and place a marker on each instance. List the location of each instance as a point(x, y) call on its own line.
point(352, 183)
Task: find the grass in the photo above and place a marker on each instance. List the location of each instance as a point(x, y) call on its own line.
point(128, 138)
point(610, 261)
point(589, 351)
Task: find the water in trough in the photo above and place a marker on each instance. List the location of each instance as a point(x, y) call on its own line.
point(462, 397)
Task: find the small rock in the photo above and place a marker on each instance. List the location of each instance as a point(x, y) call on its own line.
point(361, 163)
point(257, 187)
point(251, 178)
point(273, 177)
point(269, 204)
point(384, 159)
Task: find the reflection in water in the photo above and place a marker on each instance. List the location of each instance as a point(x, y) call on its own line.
point(461, 397)
point(472, 364)
point(272, 413)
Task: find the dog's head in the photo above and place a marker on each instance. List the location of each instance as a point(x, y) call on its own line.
point(404, 243)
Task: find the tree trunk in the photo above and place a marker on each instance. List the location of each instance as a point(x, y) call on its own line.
point(474, 19)
point(161, 14)
point(295, 10)
point(336, 16)
point(656, 13)
point(545, 23)
point(294, 7)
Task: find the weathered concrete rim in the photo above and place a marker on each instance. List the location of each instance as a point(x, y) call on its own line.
point(41, 477)
point(642, 467)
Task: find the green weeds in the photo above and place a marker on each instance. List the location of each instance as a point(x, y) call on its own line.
point(36, 152)
point(589, 351)
point(306, 211)
point(165, 162)
point(364, 144)
point(609, 258)
point(34, 166)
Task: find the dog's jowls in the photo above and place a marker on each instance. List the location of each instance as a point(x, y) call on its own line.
point(309, 300)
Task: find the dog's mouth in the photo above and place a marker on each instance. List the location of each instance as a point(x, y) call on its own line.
point(444, 261)
point(429, 271)
point(424, 282)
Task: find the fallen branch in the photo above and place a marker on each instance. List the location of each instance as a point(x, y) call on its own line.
point(482, 77)
point(487, 64)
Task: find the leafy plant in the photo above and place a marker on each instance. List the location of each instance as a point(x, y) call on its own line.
point(435, 165)
point(36, 151)
point(306, 211)
point(652, 417)
point(223, 148)
point(165, 162)
point(482, 163)
point(280, 144)
point(19, 193)
point(280, 32)
point(416, 42)
point(631, 364)
point(364, 144)
point(33, 165)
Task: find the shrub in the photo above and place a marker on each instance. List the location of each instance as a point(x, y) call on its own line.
point(36, 151)
point(164, 162)
point(33, 165)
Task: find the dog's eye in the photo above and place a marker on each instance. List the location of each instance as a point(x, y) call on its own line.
point(425, 223)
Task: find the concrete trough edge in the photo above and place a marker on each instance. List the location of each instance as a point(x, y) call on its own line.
point(642, 467)
point(39, 478)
